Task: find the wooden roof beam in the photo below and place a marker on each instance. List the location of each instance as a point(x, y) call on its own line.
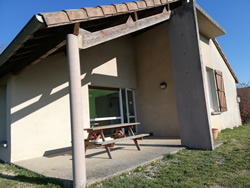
point(88, 39)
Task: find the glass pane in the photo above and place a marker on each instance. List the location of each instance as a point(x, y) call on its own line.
point(131, 103)
point(104, 103)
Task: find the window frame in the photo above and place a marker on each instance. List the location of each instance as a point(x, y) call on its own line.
point(216, 91)
point(212, 91)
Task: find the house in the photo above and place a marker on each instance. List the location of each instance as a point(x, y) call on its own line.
point(153, 61)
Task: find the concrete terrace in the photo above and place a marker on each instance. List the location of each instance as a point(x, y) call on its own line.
point(98, 165)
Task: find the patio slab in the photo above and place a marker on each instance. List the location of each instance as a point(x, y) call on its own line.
point(125, 157)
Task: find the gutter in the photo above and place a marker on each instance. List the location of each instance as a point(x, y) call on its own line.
point(35, 23)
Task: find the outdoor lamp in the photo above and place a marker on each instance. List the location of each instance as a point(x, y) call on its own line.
point(163, 85)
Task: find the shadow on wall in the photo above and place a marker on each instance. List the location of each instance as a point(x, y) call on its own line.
point(46, 95)
point(47, 82)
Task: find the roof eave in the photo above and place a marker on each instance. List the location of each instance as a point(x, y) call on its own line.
point(207, 25)
point(217, 45)
point(35, 23)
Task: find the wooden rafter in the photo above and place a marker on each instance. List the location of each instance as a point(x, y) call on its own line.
point(43, 56)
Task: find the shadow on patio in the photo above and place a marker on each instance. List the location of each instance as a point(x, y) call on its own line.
point(98, 165)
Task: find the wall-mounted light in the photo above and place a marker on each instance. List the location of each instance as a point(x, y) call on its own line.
point(163, 85)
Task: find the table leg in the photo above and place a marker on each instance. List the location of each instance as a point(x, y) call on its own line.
point(106, 147)
point(86, 142)
point(131, 131)
point(137, 145)
point(135, 140)
point(122, 134)
point(119, 133)
point(97, 138)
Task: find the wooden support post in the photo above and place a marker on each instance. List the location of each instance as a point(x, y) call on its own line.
point(76, 28)
point(136, 15)
point(168, 6)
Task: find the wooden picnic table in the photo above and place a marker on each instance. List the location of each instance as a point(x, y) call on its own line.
point(118, 136)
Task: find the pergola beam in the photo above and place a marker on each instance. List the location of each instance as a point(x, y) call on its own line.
point(88, 39)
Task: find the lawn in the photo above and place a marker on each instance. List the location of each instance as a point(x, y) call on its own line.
point(226, 166)
point(13, 177)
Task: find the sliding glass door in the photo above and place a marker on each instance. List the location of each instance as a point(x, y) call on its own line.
point(109, 106)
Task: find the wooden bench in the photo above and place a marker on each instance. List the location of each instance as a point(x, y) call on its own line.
point(119, 136)
point(110, 143)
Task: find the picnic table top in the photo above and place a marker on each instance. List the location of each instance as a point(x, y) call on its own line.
point(107, 127)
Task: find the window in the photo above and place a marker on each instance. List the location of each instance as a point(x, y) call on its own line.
point(109, 106)
point(216, 91)
point(104, 104)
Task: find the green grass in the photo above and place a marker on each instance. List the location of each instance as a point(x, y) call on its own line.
point(13, 177)
point(226, 166)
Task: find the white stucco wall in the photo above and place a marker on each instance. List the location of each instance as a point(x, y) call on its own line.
point(212, 59)
point(156, 108)
point(40, 116)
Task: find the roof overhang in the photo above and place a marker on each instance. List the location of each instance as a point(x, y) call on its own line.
point(45, 33)
point(207, 25)
point(35, 23)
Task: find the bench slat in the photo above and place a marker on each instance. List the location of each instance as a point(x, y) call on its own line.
point(122, 139)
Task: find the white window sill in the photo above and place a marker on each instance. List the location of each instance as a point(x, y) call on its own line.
point(215, 113)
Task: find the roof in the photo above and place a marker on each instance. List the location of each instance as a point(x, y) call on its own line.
point(216, 43)
point(45, 33)
point(85, 14)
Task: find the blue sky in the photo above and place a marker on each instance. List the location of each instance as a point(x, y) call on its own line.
point(14, 14)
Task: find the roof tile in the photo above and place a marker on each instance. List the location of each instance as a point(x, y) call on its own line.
point(68, 16)
point(94, 12)
point(53, 18)
point(78, 14)
point(141, 4)
point(121, 8)
point(157, 2)
point(150, 3)
point(132, 6)
point(108, 10)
